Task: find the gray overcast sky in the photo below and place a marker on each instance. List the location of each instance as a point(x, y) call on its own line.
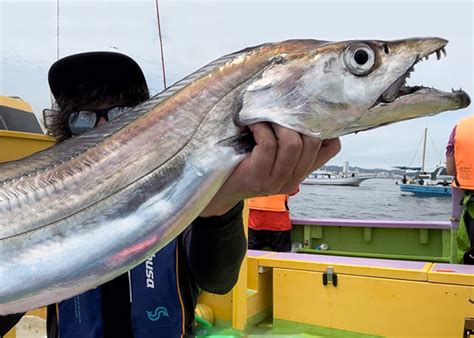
point(197, 32)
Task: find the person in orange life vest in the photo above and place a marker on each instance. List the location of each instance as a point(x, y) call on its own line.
point(460, 164)
point(269, 223)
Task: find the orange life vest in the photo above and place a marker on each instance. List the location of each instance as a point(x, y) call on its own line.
point(268, 203)
point(464, 153)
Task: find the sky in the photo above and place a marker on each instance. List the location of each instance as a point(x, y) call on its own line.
point(198, 32)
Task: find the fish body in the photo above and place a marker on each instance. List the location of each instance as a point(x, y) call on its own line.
point(92, 207)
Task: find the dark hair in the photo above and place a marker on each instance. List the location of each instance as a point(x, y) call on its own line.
point(88, 80)
point(58, 121)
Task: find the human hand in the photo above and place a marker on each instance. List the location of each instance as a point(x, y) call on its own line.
point(279, 162)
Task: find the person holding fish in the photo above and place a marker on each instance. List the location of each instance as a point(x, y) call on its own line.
point(158, 297)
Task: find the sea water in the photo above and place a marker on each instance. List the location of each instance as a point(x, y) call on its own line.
point(378, 199)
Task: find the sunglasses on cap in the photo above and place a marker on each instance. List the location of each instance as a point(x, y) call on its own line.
point(84, 120)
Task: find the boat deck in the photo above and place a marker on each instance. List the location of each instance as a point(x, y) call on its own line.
point(303, 295)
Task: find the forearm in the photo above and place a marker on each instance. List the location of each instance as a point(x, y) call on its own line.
point(217, 246)
point(450, 165)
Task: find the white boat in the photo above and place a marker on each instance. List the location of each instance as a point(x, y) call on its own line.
point(324, 178)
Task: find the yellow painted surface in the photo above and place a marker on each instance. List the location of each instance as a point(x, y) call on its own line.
point(11, 102)
point(388, 307)
point(38, 313)
point(239, 293)
point(15, 145)
point(257, 297)
point(221, 305)
point(11, 334)
point(252, 273)
point(261, 297)
point(239, 300)
point(451, 278)
point(373, 271)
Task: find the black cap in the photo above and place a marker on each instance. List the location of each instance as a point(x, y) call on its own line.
point(80, 75)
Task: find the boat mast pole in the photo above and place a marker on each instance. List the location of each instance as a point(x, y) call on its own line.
point(424, 151)
point(161, 43)
point(57, 30)
point(57, 48)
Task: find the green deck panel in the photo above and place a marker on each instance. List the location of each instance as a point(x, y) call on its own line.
point(375, 255)
point(446, 243)
point(278, 328)
point(393, 243)
point(454, 246)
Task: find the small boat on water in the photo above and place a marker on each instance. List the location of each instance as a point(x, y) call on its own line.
point(435, 184)
point(426, 184)
point(326, 178)
point(426, 190)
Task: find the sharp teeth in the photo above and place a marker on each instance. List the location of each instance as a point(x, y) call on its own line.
point(438, 54)
point(427, 57)
point(444, 51)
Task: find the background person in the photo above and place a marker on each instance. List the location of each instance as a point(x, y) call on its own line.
point(269, 223)
point(460, 164)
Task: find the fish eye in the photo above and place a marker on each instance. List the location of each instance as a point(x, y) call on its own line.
point(359, 58)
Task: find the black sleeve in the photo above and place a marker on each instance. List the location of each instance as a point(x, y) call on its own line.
point(8, 322)
point(215, 247)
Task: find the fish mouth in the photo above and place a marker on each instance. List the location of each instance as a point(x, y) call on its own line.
point(399, 88)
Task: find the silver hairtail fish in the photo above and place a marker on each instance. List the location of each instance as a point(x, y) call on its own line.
point(79, 214)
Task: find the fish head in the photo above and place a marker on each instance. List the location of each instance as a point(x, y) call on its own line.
point(330, 89)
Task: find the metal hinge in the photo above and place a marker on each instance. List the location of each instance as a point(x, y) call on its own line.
point(329, 276)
